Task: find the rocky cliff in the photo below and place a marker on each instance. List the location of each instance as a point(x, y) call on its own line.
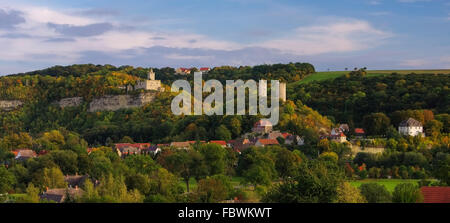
point(70, 102)
point(9, 105)
point(116, 102)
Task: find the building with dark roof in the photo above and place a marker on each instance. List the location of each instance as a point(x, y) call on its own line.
point(59, 195)
point(410, 127)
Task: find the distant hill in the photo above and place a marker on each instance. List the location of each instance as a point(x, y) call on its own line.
point(320, 76)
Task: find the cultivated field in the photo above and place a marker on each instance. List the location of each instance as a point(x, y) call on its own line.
point(320, 76)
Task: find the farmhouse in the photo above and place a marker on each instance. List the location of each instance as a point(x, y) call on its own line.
point(340, 137)
point(222, 143)
point(266, 142)
point(180, 145)
point(130, 149)
point(59, 195)
point(74, 181)
point(204, 69)
point(359, 133)
point(24, 154)
point(410, 127)
point(183, 71)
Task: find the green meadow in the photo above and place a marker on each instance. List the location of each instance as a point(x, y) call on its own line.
point(388, 183)
point(321, 76)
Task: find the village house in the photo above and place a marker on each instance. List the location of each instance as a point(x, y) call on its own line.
point(344, 128)
point(204, 69)
point(124, 149)
point(359, 133)
point(340, 137)
point(240, 145)
point(411, 127)
point(266, 142)
point(59, 195)
point(336, 131)
point(76, 180)
point(218, 142)
point(180, 145)
point(24, 154)
point(275, 135)
point(183, 71)
point(294, 139)
point(262, 127)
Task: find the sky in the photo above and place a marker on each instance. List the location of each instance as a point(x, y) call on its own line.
point(332, 35)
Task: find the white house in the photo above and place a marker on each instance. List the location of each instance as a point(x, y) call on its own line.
point(410, 127)
point(340, 137)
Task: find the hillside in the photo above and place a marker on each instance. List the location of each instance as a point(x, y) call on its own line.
point(41, 109)
point(321, 76)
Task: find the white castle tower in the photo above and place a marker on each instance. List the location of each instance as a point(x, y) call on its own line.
point(151, 75)
point(283, 91)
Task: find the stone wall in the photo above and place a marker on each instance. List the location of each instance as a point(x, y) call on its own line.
point(70, 102)
point(116, 102)
point(10, 105)
point(358, 149)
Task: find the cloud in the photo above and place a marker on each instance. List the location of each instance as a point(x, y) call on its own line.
point(9, 19)
point(101, 12)
point(381, 13)
point(442, 62)
point(87, 30)
point(344, 36)
point(63, 37)
point(58, 40)
point(415, 63)
point(374, 2)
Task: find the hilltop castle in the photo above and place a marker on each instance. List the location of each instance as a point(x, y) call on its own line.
point(150, 83)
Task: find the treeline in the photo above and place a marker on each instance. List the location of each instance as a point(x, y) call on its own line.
point(349, 99)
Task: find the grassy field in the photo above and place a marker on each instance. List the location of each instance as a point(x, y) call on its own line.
point(388, 183)
point(320, 76)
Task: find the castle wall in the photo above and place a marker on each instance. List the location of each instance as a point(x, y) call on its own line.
point(9, 105)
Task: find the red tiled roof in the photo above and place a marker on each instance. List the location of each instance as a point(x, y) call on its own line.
point(359, 131)
point(204, 68)
point(285, 135)
point(268, 141)
point(222, 143)
point(136, 145)
point(262, 123)
point(436, 194)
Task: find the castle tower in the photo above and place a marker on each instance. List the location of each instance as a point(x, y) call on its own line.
point(151, 75)
point(283, 92)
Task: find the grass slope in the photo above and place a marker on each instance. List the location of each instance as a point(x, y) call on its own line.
point(320, 76)
point(388, 183)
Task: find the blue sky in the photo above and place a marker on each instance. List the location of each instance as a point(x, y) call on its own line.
point(378, 34)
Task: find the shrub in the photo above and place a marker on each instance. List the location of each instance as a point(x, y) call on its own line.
point(407, 193)
point(375, 193)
